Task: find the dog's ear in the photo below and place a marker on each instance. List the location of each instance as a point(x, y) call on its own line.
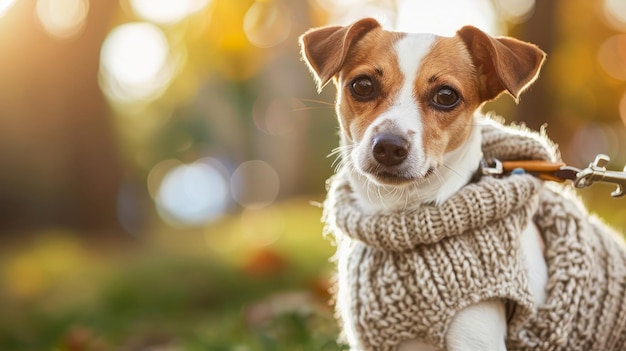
point(325, 49)
point(506, 64)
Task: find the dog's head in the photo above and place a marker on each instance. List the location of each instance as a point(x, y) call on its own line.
point(405, 101)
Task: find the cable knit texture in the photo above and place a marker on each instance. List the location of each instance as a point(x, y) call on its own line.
point(403, 275)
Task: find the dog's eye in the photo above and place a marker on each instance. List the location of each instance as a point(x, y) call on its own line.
point(446, 98)
point(362, 88)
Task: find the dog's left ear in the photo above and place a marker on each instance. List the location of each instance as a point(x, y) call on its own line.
point(325, 49)
point(506, 64)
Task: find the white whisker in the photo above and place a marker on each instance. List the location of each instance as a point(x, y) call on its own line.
point(406, 199)
point(382, 200)
point(452, 170)
point(321, 102)
point(341, 153)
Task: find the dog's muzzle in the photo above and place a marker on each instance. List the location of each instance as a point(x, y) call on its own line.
point(390, 149)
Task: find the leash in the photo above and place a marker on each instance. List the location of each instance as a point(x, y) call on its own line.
point(560, 172)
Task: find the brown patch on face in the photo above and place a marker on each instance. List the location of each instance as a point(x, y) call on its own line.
point(447, 66)
point(373, 57)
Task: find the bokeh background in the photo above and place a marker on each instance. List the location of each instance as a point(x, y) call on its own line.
point(162, 161)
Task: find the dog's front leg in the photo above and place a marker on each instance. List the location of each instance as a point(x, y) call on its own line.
point(478, 327)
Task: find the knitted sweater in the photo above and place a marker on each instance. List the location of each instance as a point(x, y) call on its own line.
point(403, 275)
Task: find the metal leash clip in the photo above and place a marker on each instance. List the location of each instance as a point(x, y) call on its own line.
point(491, 167)
point(597, 172)
point(559, 172)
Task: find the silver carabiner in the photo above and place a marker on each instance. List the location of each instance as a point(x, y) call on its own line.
point(492, 167)
point(597, 172)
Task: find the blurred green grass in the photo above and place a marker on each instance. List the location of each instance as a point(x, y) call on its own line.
point(214, 288)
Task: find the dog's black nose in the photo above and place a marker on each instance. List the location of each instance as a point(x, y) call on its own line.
point(390, 149)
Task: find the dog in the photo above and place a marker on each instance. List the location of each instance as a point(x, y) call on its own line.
point(409, 106)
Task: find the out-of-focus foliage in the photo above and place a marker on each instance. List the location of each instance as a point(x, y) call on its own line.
point(175, 293)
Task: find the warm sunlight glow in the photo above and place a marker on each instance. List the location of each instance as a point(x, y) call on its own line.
point(135, 62)
point(615, 9)
point(423, 16)
point(516, 11)
point(5, 5)
point(343, 12)
point(431, 17)
point(612, 55)
point(62, 19)
point(266, 24)
point(166, 11)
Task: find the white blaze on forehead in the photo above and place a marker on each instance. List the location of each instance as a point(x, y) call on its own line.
point(410, 50)
point(405, 113)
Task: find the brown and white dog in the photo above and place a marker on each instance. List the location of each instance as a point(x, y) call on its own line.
point(409, 110)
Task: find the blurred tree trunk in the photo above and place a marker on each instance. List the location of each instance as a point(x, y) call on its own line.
point(58, 159)
point(284, 153)
point(536, 107)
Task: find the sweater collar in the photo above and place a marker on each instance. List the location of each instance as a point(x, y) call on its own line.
point(475, 206)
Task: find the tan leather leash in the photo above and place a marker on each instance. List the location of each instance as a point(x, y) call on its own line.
point(560, 172)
